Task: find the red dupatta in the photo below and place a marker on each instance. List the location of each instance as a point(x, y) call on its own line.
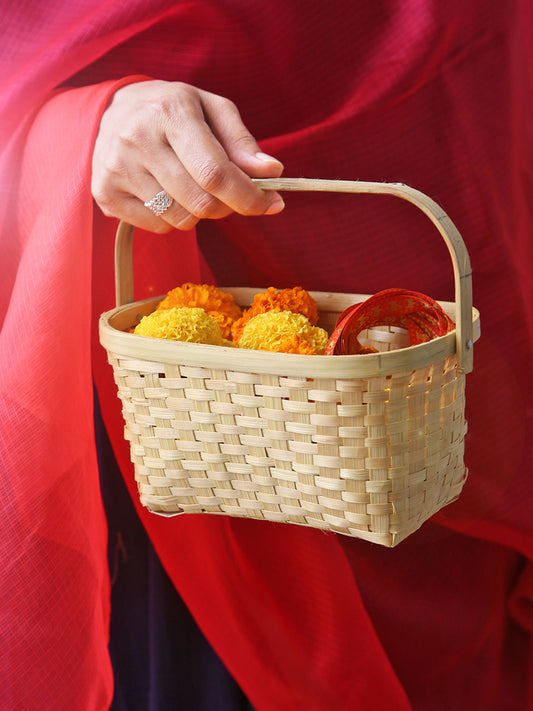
point(280, 604)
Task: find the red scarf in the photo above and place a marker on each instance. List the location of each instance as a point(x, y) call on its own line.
point(302, 619)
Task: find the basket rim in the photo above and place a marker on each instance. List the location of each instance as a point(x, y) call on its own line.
point(403, 360)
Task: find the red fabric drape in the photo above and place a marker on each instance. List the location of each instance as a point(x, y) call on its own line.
point(436, 97)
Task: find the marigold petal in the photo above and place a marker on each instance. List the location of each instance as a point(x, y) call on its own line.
point(185, 323)
point(283, 331)
point(294, 299)
point(211, 299)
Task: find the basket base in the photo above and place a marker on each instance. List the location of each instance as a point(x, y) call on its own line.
point(388, 539)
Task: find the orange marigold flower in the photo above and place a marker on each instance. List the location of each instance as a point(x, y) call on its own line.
point(295, 299)
point(217, 303)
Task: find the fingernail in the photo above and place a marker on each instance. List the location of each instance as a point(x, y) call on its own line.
point(276, 206)
point(266, 158)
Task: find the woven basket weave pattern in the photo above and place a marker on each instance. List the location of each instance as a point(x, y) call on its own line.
point(373, 458)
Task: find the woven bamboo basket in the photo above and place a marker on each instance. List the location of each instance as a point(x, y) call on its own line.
point(369, 446)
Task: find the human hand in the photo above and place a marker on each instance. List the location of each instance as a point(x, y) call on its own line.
point(170, 136)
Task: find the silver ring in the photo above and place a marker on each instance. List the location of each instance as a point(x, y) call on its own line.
point(159, 203)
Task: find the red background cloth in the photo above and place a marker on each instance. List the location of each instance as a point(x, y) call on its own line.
point(435, 96)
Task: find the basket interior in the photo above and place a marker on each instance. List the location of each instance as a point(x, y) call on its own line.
point(330, 306)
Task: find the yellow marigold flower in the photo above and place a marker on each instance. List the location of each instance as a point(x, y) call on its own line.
point(182, 324)
point(217, 303)
point(283, 332)
point(295, 299)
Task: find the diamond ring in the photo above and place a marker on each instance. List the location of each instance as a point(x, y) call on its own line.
point(159, 203)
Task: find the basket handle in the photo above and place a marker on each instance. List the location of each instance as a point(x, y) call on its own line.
point(450, 234)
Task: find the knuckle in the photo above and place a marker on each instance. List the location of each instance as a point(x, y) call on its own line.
point(116, 169)
point(228, 104)
point(166, 109)
point(243, 140)
point(102, 198)
point(210, 176)
point(224, 104)
point(205, 206)
point(108, 203)
point(113, 167)
point(134, 135)
point(184, 91)
point(186, 222)
point(175, 105)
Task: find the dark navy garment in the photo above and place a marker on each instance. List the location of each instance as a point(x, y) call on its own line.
point(161, 660)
